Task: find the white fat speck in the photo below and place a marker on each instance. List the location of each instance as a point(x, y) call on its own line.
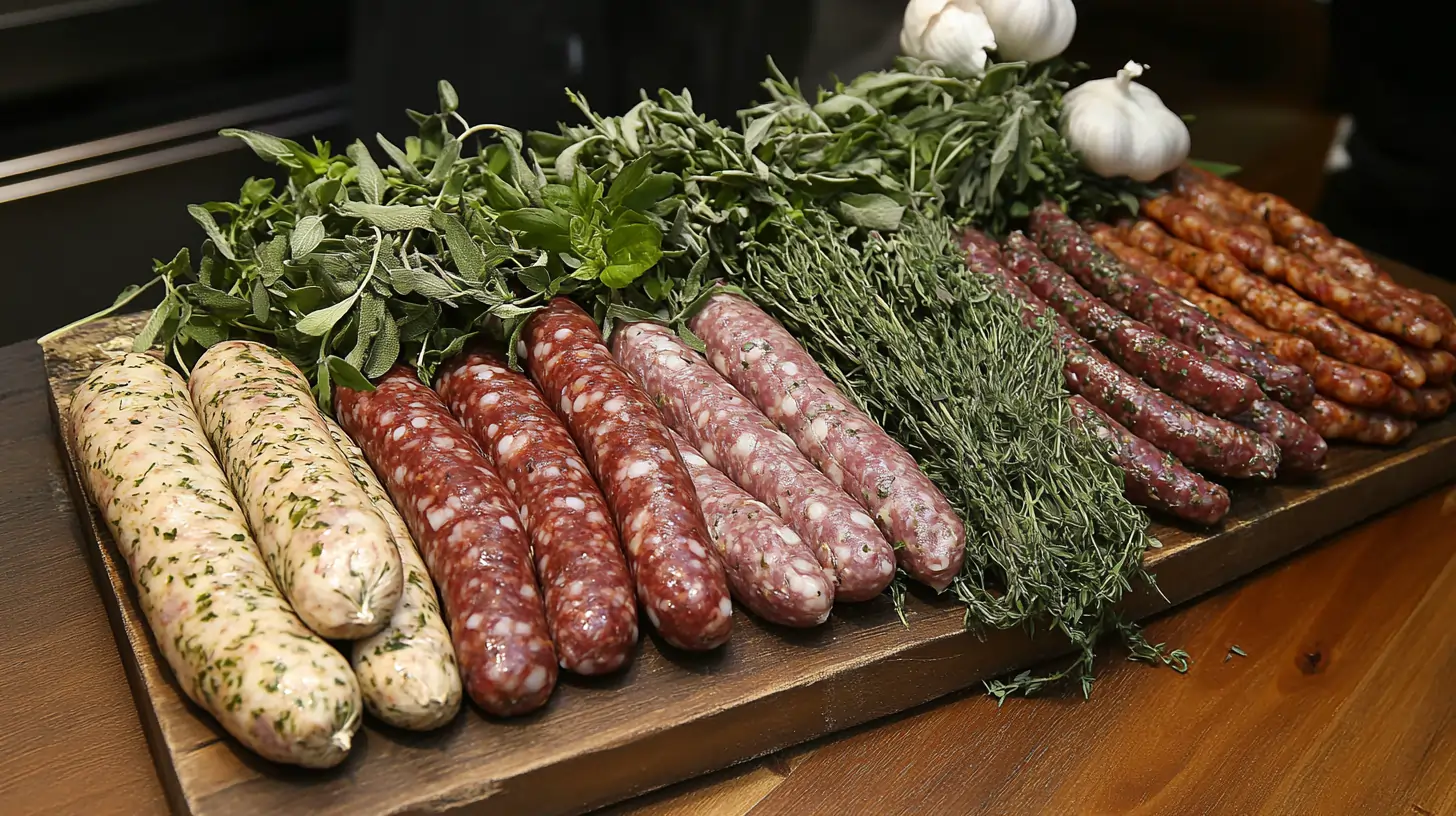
point(492, 429)
point(754, 354)
point(789, 406)
point(580, 403)
point(421, 503)
point(398, 433)
point(575, 503)
point(584, 667)
point(562, 334)
point(473, 584)
point(438, 516)
point(400, 473)
point(835, 473)
point(490, 399)
point(693, 459)
point(576, 588)
point(503, 627)
point(483, 373)
point(444, 442)
point(887, 566)
point(523, 628)
point(419, 422)
point(725, 607)
point(756, 468)
point(596, 517)
point(675, 362)
point(505, 444)
point(745, 446)
point(802, 585)
point(640, 468)
point(806, 567)
point(509, 523)
point(634, 544)
point(528, 592)
point(652, 616)
point(789, 536)
point(697, 549)
point(790, 369)
point(542, 349)
point(817, 510)
point(474, 621)
point(596, 396)
point(613, 405)
point(552, 472)
point(566, 404)
point(819, 430)
point(387, 418)
point(703, 418)
point(861, 519)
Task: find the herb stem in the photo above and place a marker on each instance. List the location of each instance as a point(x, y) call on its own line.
point(120, 302)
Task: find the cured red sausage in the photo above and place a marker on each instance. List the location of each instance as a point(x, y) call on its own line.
point(1301, 450)
point(769, 366)
point(1151, 477)
point(590, 605)
point(1215, 204)
point(1335, 421)
point(1126, 288)
point(469, 532)
point(1201, 442)
point(680, 579)
point(737, 439)
point(771, 570)
point(1172, 367)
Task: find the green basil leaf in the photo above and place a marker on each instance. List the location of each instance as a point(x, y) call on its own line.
point(536, 277)
point(205, 333)
point(539, 228)
point(628, 180)
point(318, 323)
point(307, 234)
point(631, 250)
point(389, 217)
point(209, 226)
point(653, 189)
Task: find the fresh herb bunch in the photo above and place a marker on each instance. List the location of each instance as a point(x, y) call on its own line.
point(352, 266)
point(837, 218)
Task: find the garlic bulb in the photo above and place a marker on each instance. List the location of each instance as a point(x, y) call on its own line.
point(1031, 30)
point(1122, 128)
point(952, 32)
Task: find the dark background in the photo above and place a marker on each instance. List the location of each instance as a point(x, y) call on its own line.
point(109, 108)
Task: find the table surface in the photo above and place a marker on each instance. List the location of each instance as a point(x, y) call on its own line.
point(1344, 701)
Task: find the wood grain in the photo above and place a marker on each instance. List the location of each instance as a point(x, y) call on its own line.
point(673, 716)
point(1344, 703)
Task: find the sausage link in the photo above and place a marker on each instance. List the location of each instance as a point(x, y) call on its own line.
point(1301, 450)
point(680, 579)
point(327, 545)
point(1335, 421)
point(1151, 477)
point(1215, 204)
point(770, 568)
point(407, 671)
point(737, 439)
point(469, 532)
point(1418, 403)
point(1199, 441)
point(1172, 367)
point(1305, 276)
point(1140, 297)
point(590, 605)
point(235, 646)
point(769, 367)
point(1276, 306)
point(1145, 263)
point(1440, 365)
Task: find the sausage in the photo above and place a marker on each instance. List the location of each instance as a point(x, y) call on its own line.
point(1170, 366)
point(1296, 230)
point(1335, 421)
point(468, 530)
point(737, 439)
point(1418, 403)
point(1301, 450)
point(407, 671)
point(680, 579)
point(1294, 350)
point(1188, 185)
point(769, 367)
point(327, 545)
point(1305, 276)
point(1151, 477)
point(590, 605)
point(1201, 442)
point(235, 646)
point(1440, 365)
point(770, 568)
point(1140, 297)
point(1276, 306)
point(1144, 263)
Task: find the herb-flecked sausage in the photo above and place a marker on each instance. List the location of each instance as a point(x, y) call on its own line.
point(766, 364)
point(770, 568)
point(1301, 450)
point(327, 545)
point(680, 578)
point(590, 604)
point(1335, 421)
point(235, 646)
point(407, 670)
point(737, 439)
point(1172, 367)
point(1199, 441)
point(1126, 288)
point(1151, 477)
point(468, 530)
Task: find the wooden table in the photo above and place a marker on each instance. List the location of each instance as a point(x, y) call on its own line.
point(1345, 702)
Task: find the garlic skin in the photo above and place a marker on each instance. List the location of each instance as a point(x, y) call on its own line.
point(952, 32)
point(1031, 30)
point(1122, 128)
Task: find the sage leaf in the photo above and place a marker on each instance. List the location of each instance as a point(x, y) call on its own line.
point(390, 217)
point(872, 211)
point(692, 340)
point(261, 304)
point(269, 148)
point(318, 323)
point(385, 350)
point(270, 259)
point(345, 375)
point(410, 172)
point(306, 236)
point(565, 167)
point(449, 100)
point(469, 260)
point(444, 163)
point(370, 179)
point(216, 302)
point(160, 315)
point(209, 226)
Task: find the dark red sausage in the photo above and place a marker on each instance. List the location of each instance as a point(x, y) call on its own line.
point(1125, 287)
point(590, 605)
point(469, 532)
point(1301, 450)
point(680, 579)
point(1151, 477)
point(1172, 367)
point(1199, 441)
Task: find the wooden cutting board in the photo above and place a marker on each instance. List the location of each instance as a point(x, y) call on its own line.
point(673, 715)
